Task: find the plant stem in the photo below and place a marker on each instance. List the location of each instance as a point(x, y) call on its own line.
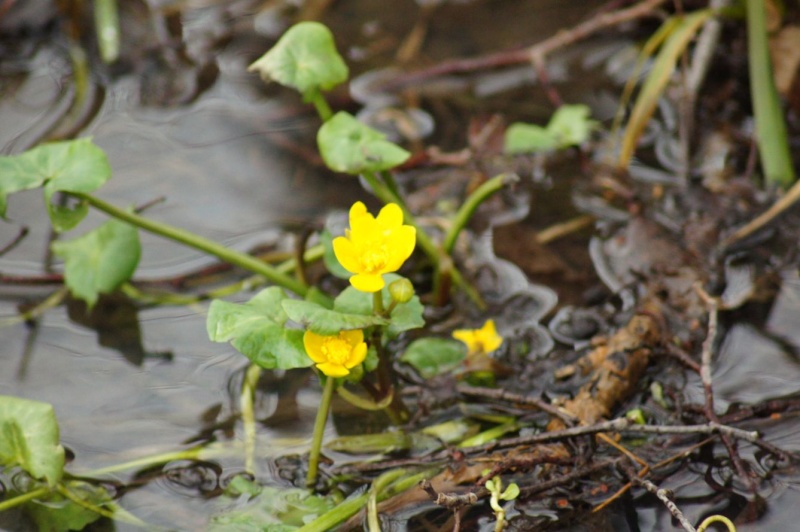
point(321, 105)
point(248, 415)
point(106, 20)
point(195, 453)
point(22, 499)
point(319, 432)
point(243, 260)
point(377, 303)
point(773, 143)
point(478, 196)
point(348, 508)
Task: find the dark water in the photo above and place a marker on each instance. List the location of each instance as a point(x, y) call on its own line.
point(224, 160)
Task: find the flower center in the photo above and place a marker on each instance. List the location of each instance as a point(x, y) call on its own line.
point(336, 350)
point(374, 258)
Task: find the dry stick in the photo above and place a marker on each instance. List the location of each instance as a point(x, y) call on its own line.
point(779, 207)
point(541, 49)
point(705, 377)
point(664, 496)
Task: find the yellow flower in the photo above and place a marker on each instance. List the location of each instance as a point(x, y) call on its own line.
point(480, 341)
point(374, 246)
point(337, 354)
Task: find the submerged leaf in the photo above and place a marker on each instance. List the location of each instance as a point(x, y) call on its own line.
point(305, 58)
point(351, 147)
point(256, 329)
point(57, 513)
point(29, 438)
point(101, 260)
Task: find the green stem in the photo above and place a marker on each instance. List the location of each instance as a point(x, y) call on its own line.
point(125, 517)
point(106, 24)
point(478, 196)
point(428, 247)
point(773, 143)
point(350, 507)
point(248, 415)
point(321, 105)
point(195, 453)
point(182, 236)
point(377, 303)
point(22, 499)
point(319, 432)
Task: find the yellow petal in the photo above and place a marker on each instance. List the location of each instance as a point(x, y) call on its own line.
point(357, 355)
point(346, 254)
point(353, 337)
point(465, 335)
point(313, 343)
point(491, 340)
point(361, 221)
point(366, 282)
point(401, 241)
point(390, 216)
point(332, 370)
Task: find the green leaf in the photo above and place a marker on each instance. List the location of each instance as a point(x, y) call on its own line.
point(327, 322)
point(351, 147)
point(99, 261)
point(57, 513)
point(433, 356)
point(70, 166)
point(511, 492)
point(526, 138)
point(404, 317)
point(29, 438)
point(304, 58)
point(257, 330)
point(569, 126)
point(273, 509)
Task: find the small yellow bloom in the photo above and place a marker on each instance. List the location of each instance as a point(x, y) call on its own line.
point(374, 246)
point(480, 341)
point(336, 355)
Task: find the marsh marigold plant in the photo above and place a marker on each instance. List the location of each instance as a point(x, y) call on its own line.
point(373, 246)
point(480, 341)
point(337, 354)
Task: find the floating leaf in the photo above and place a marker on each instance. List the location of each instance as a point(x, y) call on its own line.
point(304, 58)
point(433, 356)
point(99, 261)
point(29, 438)
point(257, 330)
point(351, 147)
point(69, 166)
point(326, 322)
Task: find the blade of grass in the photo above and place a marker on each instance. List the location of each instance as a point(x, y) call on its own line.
point(657, 80)
point(773, 143)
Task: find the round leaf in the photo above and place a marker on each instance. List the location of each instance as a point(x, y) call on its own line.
point(432, 356)
point(101, 260)
point(351, 147)
point(323, 321)
point(29, 438)
point(305, 58)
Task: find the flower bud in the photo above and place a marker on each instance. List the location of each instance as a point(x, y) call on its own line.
point(401, 291)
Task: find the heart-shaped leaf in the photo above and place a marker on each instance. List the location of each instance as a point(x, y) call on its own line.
point(257, 330)
point(433, 356)
point(351, 147)
point(99, 261)
point(29, 438)
point(304, 58)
